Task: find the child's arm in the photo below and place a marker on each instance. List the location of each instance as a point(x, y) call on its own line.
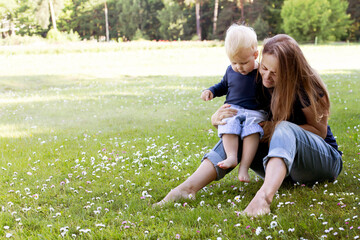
point(218, 90)
point(207, 95)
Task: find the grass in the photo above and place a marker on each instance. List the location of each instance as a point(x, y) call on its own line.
point(46, 47)
point(90, 140)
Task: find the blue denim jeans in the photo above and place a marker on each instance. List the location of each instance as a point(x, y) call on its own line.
point(307, 156)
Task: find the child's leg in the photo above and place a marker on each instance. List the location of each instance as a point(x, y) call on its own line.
point(250, 145)
point(231, 145)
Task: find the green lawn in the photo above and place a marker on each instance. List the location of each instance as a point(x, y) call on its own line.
point(90, 140)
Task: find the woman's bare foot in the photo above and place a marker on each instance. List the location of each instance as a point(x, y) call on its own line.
point(243, 174)
point(259, 205)
point(230, 162)
point(175, 195)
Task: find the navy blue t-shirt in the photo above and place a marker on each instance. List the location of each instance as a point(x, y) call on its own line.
point(298, 117)
point(239, 89)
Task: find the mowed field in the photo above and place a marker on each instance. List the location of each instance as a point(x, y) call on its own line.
point(92, 135)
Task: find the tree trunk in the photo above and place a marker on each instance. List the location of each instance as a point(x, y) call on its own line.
point(197, 12)
point(216, 7)
point(106, 23)
point(12, 28)
point(242, 11)
point(52, 12)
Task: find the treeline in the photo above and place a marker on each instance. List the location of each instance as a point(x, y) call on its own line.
point(122, 20)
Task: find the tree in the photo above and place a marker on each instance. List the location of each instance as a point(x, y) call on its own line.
point(66, 21)
point(172, 21)
point(228, 15)
point(25, 18)
point(198, 26)
point(190, 3)
point(307, 20)
point(130, 17)
point(47, 9)
point(7, 9)
point(339, 20)
point(272, 15)
point(354, 11)
point(138, 14)
point(86, 17)
point(261, 28)
point(241, 6)
point(106, 21)
point(216, 9)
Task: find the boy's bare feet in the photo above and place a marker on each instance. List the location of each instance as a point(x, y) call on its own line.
point(243, 174)
point(259, 205)
point(174, 195)
point(230, 162)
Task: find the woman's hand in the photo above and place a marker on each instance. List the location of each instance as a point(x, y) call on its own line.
point(223, 112)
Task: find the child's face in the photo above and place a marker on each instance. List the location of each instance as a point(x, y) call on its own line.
point(244, 62)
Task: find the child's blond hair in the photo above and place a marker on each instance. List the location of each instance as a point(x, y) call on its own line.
point(239, 38)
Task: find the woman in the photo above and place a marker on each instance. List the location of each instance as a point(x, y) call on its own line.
point(301, 146)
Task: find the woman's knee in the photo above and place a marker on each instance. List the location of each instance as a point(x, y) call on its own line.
point(285, 125)
point(286, 128)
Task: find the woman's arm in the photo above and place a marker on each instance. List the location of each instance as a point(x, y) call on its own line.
point(319, 128)
point(223, 112)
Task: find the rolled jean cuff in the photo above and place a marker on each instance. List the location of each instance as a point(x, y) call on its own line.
point(279, 153)
point(216, 155)
point(251, 129)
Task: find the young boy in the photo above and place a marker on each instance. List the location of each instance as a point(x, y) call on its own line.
point(239, 86)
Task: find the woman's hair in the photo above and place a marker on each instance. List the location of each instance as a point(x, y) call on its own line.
point(238, 38)
point(295, 79)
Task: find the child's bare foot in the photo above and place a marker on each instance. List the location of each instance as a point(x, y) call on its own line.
point(174, 195)
point(259, 205)
point(243, 175)
point(230, 162)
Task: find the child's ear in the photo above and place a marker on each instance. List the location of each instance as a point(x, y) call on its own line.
point(256, 54)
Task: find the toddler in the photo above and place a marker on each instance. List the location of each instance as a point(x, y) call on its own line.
point(239, 85)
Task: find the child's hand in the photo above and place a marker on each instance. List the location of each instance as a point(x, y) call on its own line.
point(207, 95)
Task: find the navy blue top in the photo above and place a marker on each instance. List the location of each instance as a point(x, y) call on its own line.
point(239, 89)
point(298, 117)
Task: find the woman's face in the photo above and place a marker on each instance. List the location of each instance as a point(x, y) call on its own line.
point(268, 70)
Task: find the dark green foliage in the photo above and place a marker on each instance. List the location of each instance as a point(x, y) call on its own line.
point(171, 21)
point(354, 11)
point(261, 28)
point(307, 20)
point(229, 14)
point(328, 20)
point(265, 12)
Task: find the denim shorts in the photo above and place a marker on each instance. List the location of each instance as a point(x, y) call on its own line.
point(244, 123)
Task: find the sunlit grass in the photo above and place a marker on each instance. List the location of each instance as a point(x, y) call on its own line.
point(86, 150)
